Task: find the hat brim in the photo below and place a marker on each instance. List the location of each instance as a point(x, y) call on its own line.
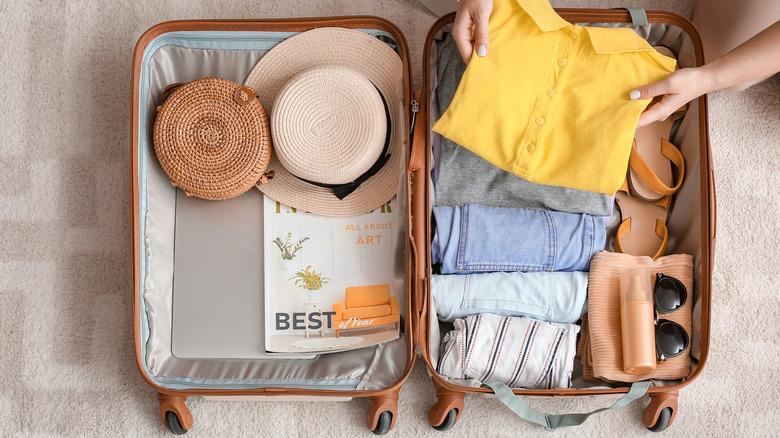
point(332, 46)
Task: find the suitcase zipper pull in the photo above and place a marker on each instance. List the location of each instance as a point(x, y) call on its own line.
point(415, 110)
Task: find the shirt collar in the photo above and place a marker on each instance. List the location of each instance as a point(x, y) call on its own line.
point(603, 40)
point(543, 15)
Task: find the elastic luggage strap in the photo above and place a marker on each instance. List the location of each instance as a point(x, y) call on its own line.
point(638, 16)
point(552, 422)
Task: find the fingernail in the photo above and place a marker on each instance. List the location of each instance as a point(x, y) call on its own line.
point(634, 95)
point(482, 51)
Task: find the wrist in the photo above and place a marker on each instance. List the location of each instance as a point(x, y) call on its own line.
point(707, 78)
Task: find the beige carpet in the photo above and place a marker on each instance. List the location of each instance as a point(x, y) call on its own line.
point(66, 356)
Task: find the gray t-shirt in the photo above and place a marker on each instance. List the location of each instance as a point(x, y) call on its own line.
point(463, 177)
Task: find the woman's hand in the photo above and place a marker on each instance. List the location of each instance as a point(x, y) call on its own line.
point(677, 89)
point(470, 29)
point(756, 58)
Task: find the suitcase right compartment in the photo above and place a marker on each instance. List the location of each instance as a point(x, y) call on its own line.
point(690, 222)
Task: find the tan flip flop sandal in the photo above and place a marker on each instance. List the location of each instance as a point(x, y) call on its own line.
point(642, 231)
point(647, 193)
point(650, 163)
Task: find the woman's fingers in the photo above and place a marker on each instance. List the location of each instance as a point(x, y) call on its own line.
point(470, 30)
point(461, 33)
point(481, 34)
point(674, 91)
point(661, 109)
point(652, 90)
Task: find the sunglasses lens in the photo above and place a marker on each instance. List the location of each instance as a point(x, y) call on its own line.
point(670, 294)
point(670, 338)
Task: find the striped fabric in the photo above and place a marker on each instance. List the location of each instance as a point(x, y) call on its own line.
point(520, 352)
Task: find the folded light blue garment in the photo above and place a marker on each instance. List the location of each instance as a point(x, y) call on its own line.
point(547, 296)
point(477, 238)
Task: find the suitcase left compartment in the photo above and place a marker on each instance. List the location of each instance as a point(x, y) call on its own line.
point(301, 290)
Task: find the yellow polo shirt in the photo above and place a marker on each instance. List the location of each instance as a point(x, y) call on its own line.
point(549, 103)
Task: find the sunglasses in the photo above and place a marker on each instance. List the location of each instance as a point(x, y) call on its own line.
point(671, 339)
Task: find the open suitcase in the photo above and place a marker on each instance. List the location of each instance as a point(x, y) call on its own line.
point(186, 50)
point(691, 230)
point(179, 52)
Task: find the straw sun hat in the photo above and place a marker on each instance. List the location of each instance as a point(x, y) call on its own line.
point(332, 96)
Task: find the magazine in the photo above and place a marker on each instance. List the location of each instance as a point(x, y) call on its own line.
point(328, 280)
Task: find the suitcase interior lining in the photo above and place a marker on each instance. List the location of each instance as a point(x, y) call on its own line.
point(182, 57)
point(685, 216)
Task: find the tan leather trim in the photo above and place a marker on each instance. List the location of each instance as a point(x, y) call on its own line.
point(422, 211)
point(417, 177)
point(417, 160)
point(707, 198)
point(298, 24)
point(414, 261)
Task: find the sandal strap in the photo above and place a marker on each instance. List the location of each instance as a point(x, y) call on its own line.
point(638, 164)
point(679, 113)
point(660, 230)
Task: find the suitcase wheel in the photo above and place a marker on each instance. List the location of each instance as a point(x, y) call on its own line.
point(449, 421)
point(445, 412)
point(664, 418)
point(382, 412)
point(384, 423)
point(173, 423)
point(660, 412)
point(174, 413)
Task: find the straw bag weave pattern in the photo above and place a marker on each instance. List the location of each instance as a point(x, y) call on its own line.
point(212, 138)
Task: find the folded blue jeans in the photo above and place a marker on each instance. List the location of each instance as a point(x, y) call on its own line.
point(547, 296)
point(476, 238)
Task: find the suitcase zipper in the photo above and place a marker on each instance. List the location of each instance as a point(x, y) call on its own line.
point(415, 110)
point(273, 388)
point(262, 39)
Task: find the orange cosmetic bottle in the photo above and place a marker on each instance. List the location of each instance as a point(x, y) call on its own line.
point(636, 320)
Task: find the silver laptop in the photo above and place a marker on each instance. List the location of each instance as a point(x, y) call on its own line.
point(218, 279)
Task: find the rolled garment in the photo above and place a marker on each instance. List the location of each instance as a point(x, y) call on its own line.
point(519, 352)
point(476, 238)
point(546, 296)
point(464, 177)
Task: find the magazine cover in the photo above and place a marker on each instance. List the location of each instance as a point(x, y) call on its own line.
point(328, 280)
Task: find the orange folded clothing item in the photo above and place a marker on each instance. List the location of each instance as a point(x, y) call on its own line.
point(601, 347)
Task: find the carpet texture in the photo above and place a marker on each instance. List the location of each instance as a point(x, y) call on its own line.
point(66, 350)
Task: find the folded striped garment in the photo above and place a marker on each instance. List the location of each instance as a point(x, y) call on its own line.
point(520, 352)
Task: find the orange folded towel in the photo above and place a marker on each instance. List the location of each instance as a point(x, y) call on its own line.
point(601, 348)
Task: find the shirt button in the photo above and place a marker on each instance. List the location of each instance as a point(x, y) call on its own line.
point(531, 147)
point(540, 120)
point(551, 92)
point(562, 62)
point(573, 35)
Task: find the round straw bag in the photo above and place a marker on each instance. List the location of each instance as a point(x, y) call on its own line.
point(211, 137)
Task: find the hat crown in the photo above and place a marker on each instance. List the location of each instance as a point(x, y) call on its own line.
point(328, 124)
point(383, 67)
